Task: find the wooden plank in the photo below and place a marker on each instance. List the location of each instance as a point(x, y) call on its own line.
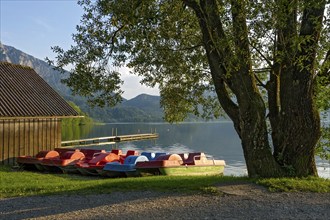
point(31, 141)
point(48, 136)
point(16, 140)
point(51, 133)
point(2, 147)
point(107, 140)
point(26, 137)
point(11, 143)
point(21, 138)
point(6, 133)
point(55, 133)
point(59, 132)
point(90, 139)
point(40, 146)
point(44, 134)
point(137, 137)
point(87, 144)
point(36, 147)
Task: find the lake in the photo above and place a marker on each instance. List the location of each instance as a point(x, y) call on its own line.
point(216, 139)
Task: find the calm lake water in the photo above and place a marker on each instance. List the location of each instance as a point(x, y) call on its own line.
point(216, 139)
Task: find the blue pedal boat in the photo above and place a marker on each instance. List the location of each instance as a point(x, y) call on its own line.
point(116, 169)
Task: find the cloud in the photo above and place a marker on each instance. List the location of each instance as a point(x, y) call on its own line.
point(132, 86)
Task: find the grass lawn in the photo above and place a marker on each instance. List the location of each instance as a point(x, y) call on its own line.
point(15, 183)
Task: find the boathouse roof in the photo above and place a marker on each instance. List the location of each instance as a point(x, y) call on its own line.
point(23, 93)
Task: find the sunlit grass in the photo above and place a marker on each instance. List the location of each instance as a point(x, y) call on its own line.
point(310, 184)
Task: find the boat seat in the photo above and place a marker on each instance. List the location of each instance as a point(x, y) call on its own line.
point(192, 157)
point(169, 157)
point(89, 153)
point(116, 151)
point(159, 154)
point(132, 152)
point(72, 155)
point(149, 155)
point(47, 154)
point(184, 156)
point(128, 153)
point(103, 158)
point(110, 158)
point(133, 159)
point(63, 150)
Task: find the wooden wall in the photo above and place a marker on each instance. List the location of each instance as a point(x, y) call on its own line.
point(20, 137)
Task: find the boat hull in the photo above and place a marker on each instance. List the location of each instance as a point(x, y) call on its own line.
point(70, 169)
point(148, 171)
point(127, 169)
point(192, 170)
point(90, 171)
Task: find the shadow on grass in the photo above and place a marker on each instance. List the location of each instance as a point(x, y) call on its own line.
point(27, 194)
point(35, 195)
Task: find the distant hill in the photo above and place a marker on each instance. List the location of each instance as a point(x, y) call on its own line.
point(143, 108)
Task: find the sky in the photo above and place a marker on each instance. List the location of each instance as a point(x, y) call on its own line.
point(34, 26)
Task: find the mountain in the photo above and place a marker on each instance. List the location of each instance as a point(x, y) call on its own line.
point(52, 77)
point(143, 108)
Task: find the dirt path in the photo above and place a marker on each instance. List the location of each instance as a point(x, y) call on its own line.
point(235, 201)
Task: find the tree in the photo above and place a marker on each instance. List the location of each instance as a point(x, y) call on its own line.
point(263, 59)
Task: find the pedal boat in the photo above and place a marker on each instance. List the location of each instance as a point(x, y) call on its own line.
point(35, 162)
point(65, 159)
point(178, 165)
point(147, 168)
point(89, 155)
point(93, 166)
point(116, 169)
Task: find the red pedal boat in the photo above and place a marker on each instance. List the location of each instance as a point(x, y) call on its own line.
point(34, 162)
point(65, 158)
point(89, 154)
point(99, 160)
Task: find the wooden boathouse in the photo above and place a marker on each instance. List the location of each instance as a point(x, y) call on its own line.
point(30, 113)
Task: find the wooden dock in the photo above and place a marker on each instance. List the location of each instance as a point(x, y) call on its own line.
point(108, 140)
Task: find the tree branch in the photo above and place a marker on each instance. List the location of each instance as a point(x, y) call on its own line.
point(260, 82)
point(262, 55)
point(213, 32)
point(182, 49)
point(325, 69)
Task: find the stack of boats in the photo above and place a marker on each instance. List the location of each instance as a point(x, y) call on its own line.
point(117, 164)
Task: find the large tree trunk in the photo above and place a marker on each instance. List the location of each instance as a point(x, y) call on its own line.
point(293, 117)
point(249, 114)
point(257, 152)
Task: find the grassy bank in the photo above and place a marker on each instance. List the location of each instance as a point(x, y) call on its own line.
point(310, 184)
point(23, 183)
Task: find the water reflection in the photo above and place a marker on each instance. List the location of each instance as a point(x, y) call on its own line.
point(72, 132)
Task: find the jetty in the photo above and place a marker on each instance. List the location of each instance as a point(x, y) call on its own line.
point(109, 140)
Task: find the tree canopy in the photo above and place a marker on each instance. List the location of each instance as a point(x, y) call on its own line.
point(266, 61)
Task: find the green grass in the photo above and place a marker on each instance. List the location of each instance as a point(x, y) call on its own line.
point(24, 183)
point(310, 184)
point(15, 183)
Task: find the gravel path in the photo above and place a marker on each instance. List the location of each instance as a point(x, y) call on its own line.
point(240, 201)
